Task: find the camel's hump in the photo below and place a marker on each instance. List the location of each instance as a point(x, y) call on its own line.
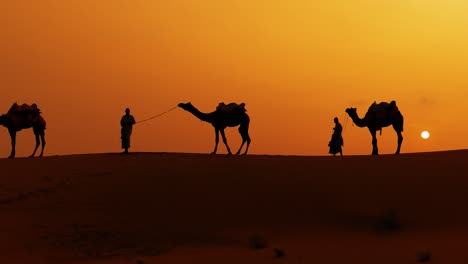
point(231, 107)
point(16, 108)
point(382, 106)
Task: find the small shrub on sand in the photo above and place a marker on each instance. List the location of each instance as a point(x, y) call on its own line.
point(279, 253)
point(388, 222)
point(257, 242)
point(424, 256)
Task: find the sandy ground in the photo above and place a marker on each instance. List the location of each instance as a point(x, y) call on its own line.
point(196, 208)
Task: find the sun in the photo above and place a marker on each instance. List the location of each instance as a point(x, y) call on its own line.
point(425, 135)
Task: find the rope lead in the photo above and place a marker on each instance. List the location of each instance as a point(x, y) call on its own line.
point(144, 120)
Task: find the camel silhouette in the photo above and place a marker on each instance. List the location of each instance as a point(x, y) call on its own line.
point(22, 117)
point(222, 118)
point(379, 116)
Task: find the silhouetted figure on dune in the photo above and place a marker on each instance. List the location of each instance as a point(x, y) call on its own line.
point(126, 123)
point(379, 116)
point(230, 115)
point(22, 117)
point(336, 141)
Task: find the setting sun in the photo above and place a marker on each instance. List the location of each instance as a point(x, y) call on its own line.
point(300, 117)
point(425, 135)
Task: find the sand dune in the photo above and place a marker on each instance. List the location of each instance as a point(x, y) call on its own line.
point(197, 208)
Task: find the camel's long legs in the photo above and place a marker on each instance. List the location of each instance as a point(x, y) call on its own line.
point(37, 144)
point(375, 149)
point(225, 141)
point(43, 143)
point(13, 143)
point(400, 140)
point(244, 132)
point(40, 140)
point(216, 141)
point(243, 142)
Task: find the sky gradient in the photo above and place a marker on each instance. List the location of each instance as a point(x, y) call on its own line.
point(295, 64)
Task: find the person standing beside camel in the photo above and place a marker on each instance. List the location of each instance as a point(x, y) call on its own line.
point(336, 141)
point(126, 123)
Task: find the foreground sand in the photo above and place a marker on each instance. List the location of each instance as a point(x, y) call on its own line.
point(194, 208)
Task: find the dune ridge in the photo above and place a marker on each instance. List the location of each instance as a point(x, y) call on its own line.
point(200, 208)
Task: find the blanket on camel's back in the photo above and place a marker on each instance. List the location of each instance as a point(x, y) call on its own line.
point(26, 113)
point(24, 108)
point(382, 111)
point(231, 107)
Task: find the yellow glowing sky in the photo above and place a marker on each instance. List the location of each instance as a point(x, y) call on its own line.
point(296, 64)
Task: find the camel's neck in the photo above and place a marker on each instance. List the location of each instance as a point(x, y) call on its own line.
point(360, 122)
point(202, 116)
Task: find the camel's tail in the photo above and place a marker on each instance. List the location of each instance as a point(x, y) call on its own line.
point(41, 121)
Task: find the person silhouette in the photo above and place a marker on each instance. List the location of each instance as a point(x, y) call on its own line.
point(126, 123)
point(336, 141)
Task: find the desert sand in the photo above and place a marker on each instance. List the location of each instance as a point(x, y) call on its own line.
point(199, 208)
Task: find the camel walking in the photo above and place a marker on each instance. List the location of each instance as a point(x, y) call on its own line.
point(23, 117)
point(379, 116)
point(231, 115)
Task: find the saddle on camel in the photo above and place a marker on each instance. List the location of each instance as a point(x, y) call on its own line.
point(29, 115)
point(231, 107)
point(382, 113)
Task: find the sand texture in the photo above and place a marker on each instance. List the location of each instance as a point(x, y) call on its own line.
point(200, 208)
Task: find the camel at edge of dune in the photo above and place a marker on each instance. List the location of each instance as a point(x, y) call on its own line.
point(26, 117)
point(379, 116)
point(220, 119)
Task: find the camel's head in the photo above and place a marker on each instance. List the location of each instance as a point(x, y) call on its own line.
point(185, 106)
point(351, 111)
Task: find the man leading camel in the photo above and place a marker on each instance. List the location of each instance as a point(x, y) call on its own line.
point(126, 123)
point(336, 141)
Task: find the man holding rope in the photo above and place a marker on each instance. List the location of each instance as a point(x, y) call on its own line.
point(126, 123)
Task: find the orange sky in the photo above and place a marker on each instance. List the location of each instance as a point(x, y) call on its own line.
point(296, 64)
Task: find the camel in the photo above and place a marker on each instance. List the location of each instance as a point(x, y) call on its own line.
point(379, 116)
point(224, 117)
point(22, 117)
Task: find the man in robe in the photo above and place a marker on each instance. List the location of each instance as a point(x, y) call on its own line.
point(336, 141)
point(126, 123)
